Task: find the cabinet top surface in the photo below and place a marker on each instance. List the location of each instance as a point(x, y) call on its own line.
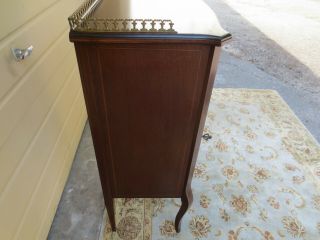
point(147, 17)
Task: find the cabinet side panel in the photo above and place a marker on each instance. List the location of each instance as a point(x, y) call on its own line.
point(152, 97)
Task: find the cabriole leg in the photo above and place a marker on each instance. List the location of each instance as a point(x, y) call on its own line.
point(186, 201)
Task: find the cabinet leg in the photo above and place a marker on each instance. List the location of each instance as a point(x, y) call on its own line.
point(110, 210)
point(186, 201)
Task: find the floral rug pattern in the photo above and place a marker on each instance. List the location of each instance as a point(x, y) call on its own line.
point(133, 220)
point(257, 177)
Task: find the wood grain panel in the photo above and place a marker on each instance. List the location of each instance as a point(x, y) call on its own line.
point(149, 135)
point(146, 103)
point(135, 141)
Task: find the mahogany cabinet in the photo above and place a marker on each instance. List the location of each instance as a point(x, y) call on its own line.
point(147, 69)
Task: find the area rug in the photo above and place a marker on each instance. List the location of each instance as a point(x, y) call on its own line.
point(257, 177)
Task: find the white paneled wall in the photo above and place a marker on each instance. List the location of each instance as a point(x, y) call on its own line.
point(42, 114)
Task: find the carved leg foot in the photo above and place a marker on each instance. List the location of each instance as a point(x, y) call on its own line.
point(110, 211)
point(186, 201)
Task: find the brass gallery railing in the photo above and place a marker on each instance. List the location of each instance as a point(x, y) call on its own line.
point(81, 20)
